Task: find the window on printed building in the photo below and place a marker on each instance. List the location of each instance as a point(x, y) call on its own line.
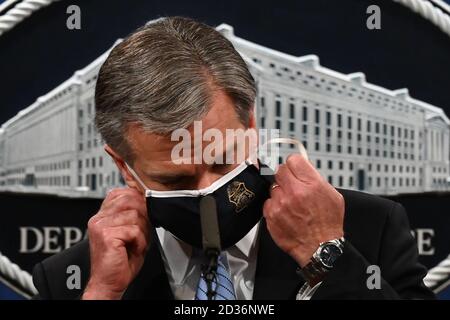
point(305, 114)
point(278, 108)
point(317, 116)
point(292, 111)
point(328, 118)
point(278, 124)
point(291, 126)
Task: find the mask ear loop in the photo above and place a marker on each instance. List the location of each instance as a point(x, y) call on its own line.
point(134, 174)
point(300, 146)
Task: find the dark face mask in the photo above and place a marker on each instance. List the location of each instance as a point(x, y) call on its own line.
point(239, 195)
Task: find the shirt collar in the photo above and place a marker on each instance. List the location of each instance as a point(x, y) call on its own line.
point(177, 254)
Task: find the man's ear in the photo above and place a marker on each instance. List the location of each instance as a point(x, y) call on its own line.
point(121, 165)
point(252, 120)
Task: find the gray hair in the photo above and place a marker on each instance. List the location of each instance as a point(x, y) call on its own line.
point(162, 77)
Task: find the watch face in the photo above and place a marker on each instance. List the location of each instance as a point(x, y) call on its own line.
point(329, 254)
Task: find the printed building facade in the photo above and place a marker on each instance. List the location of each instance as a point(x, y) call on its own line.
point(358, 135)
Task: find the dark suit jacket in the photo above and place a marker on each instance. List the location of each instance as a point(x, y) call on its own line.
point(376, 231)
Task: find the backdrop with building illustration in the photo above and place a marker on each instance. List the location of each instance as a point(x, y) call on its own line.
point(358, 135)
point(370, 106)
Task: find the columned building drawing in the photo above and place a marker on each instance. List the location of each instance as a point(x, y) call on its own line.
point(358, 135)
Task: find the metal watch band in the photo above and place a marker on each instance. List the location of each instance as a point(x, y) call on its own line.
point(315, 272)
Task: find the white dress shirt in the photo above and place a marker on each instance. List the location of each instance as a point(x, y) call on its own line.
point(183, 266)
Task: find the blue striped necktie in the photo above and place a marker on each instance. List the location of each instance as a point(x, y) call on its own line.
point(222, 284)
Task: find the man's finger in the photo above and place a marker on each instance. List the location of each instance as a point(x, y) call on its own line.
point(118, 192)
point(130, 217)
point(130, 234)
point(285, 178)
point(125, 202)
point(301, 168)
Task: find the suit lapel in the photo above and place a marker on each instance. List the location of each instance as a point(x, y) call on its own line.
point(151, 283)
point(275, 276)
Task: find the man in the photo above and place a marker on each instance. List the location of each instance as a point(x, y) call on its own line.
point(296, 238)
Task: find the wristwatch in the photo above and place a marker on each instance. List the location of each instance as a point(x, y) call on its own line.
point(322, 261)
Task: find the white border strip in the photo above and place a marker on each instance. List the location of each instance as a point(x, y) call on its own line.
point(430, 12)
point(429, 9)
point(20, 12)
point(12, 271)
point(438, 274)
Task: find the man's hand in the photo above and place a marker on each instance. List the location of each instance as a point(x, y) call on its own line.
point(303, 210)
point(118, 241)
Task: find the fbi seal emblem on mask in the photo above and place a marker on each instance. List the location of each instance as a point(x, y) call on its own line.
point(239, 195)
